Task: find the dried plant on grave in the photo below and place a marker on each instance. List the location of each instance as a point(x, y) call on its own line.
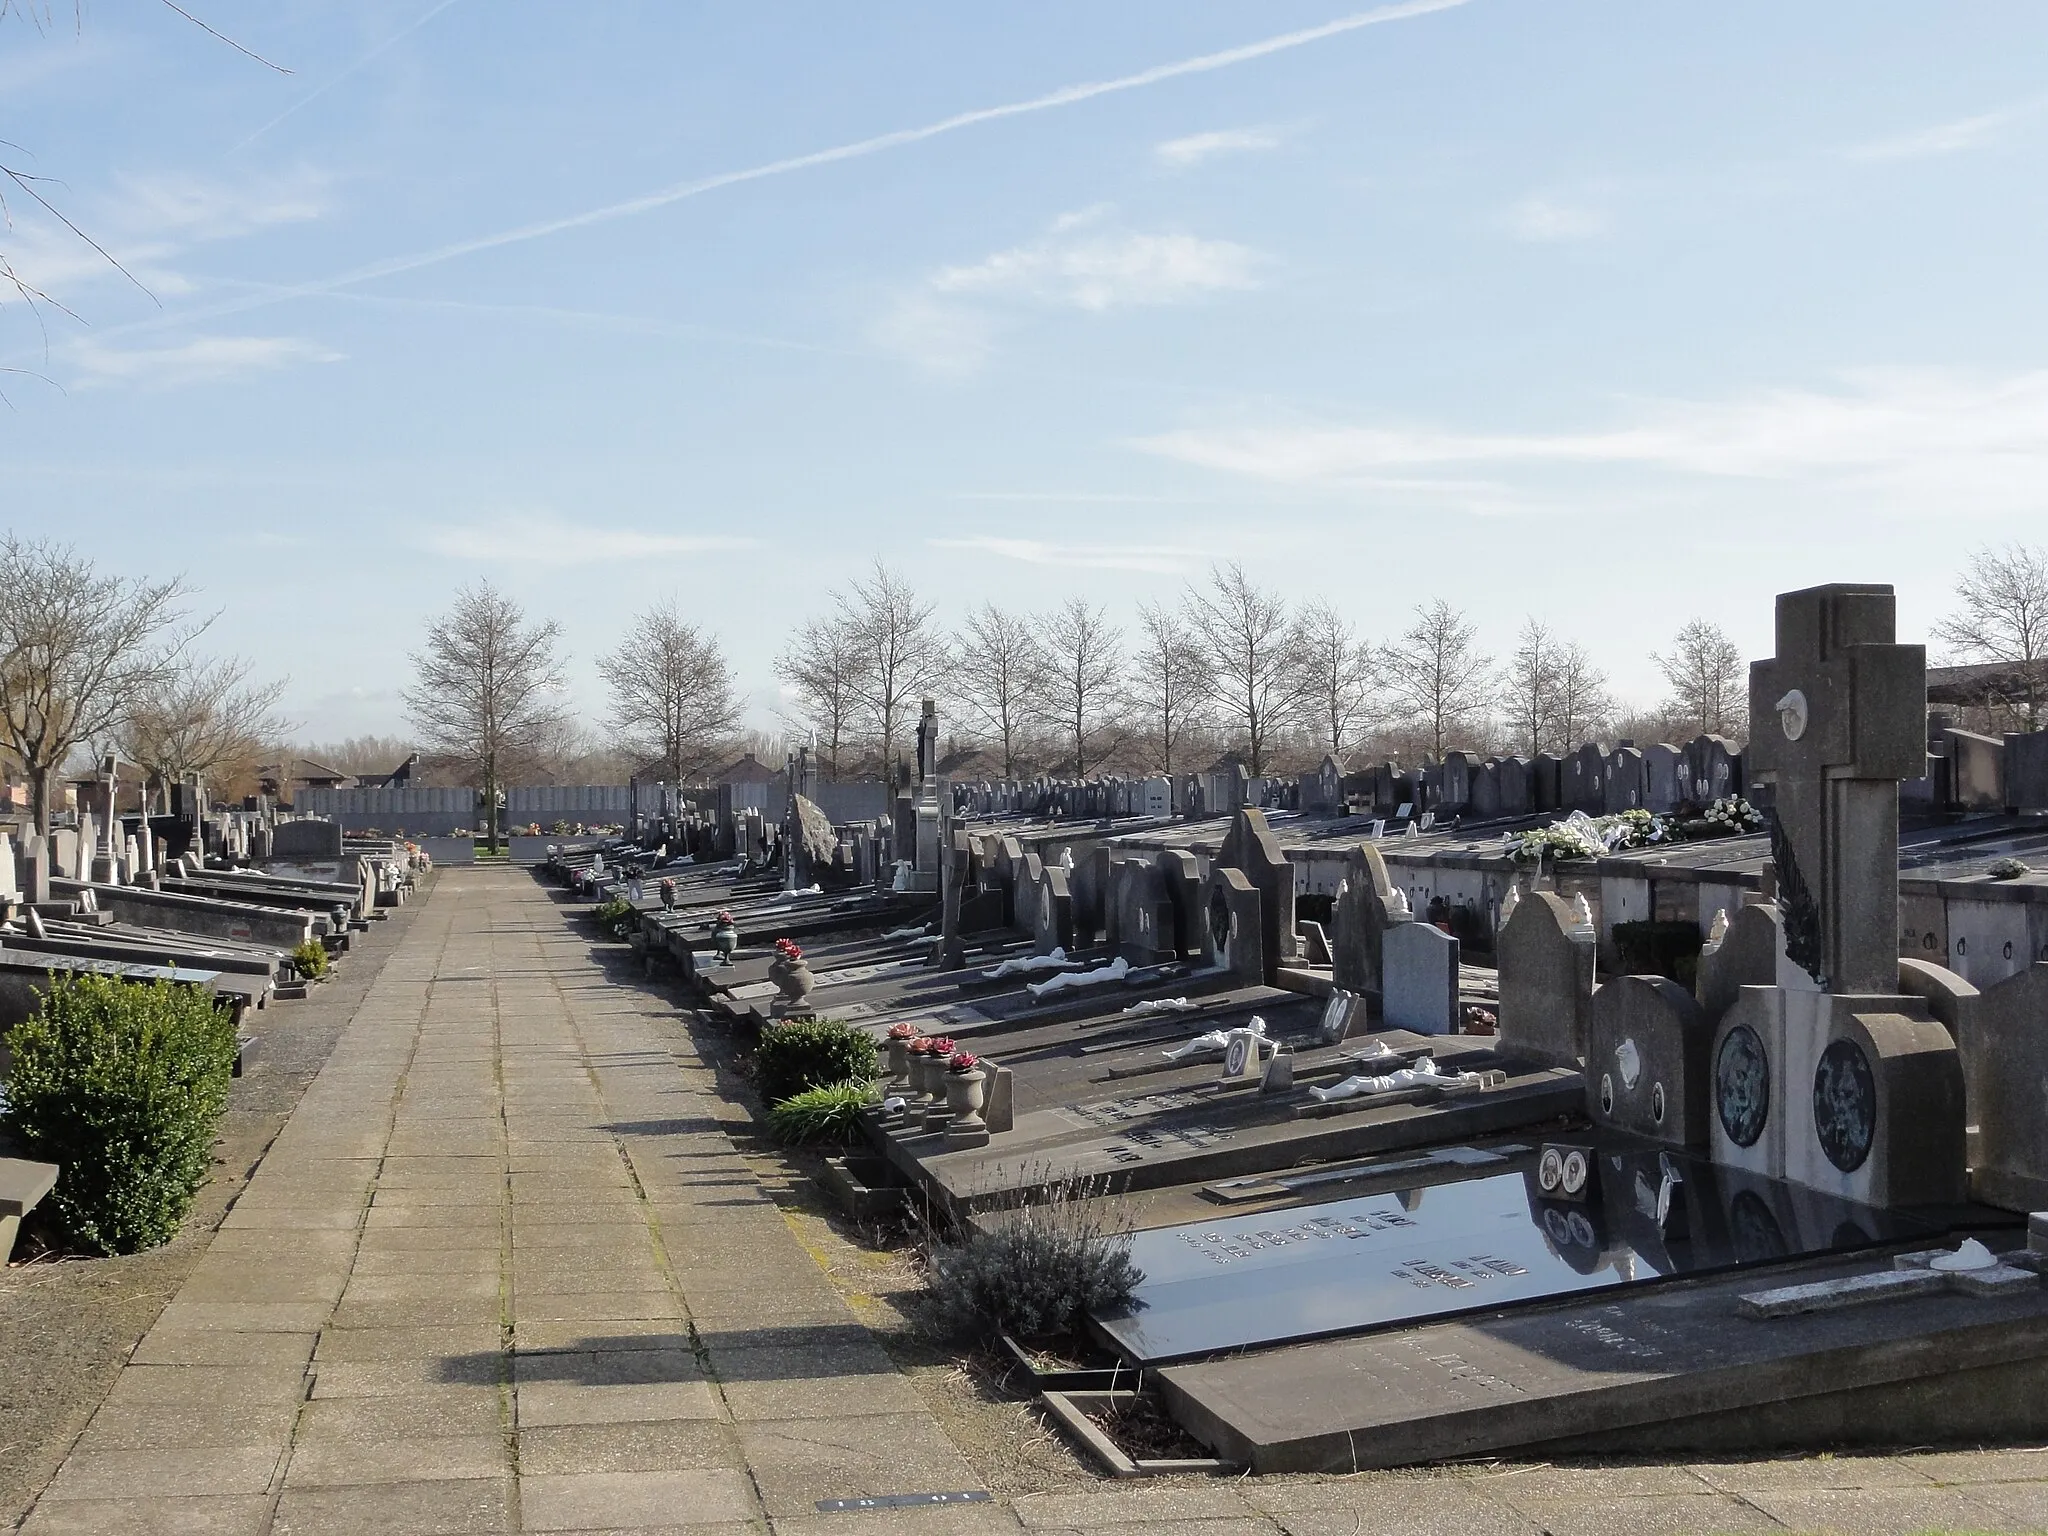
point(1036, 1271)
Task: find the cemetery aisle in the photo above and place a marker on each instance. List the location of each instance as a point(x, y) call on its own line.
point(502, 1271)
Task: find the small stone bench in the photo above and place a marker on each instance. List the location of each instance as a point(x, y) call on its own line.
point(22, 1187)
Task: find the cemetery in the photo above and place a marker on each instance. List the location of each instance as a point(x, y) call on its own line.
point(1653, 1099)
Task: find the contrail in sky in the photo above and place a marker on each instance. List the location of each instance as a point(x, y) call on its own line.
point(327, 85)
point(680, 191)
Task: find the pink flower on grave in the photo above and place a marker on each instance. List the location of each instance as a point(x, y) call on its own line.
point(902, 1031)
point(962, 1061)
point(942, 1045)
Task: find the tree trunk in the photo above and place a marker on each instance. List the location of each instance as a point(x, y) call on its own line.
point(39, 799)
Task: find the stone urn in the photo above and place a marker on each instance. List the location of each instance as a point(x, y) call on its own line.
point(965, 1095)
point(793, 981)
point(900, 1084)
point(725, 938)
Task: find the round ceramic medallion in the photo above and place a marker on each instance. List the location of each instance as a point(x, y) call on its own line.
point(1742, 1085)
point(1844, 1105)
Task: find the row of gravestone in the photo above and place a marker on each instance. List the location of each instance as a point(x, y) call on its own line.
point(1601, 781)
point(1595, 779)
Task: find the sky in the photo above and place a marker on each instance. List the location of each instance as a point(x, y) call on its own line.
point(1610, 314)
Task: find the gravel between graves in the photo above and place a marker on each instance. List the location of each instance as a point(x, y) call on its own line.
point(66, 1325)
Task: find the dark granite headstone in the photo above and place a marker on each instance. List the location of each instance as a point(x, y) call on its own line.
point(1233, 935)
point(1252, 848)
point(1359, 919)
point(1648, 1046)
point(2004, 1047)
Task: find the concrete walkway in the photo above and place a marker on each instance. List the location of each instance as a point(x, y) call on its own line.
point(502, 1271)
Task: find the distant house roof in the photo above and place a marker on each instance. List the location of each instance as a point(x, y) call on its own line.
point(748, 770)
point(319, 775)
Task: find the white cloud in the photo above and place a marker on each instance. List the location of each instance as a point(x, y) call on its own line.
point(146, 223)
point(1155, 559)
point(1082, 263)
point(543, 538)
point(1546, 219)
point(1941, 439)
point(201, 360)
point(1944, 138)
point(1194, 148)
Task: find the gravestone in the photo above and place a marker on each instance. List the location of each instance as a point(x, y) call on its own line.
point(1585, 780)
point(1627, 783)
point(1251, 847)
point(1180, 875)
point(1517, 786)
point(1141, 914)
point(2004, 1045)
point(1486, 791)
point(64, 849)
point(1420, 979)
point(1663, 768)
point(1030, 876)
point(306, 839)
point(1322, 792)
point(1834, 1078)
point(1546, 782)
point(1713, 770)
point(1746, 956)
point(1455, 793)
point(1233, 935)
point(1546, 960)
point(1054, 912)
point(1648, 1046)
point(1359, 919)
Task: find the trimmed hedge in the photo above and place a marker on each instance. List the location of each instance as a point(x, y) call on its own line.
point(811, 1053)
point(122, 1085)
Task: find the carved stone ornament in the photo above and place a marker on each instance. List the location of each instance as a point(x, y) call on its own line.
point(1792, 715)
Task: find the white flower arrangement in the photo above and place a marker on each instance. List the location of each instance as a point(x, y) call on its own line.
point(1580, 836)
point(1731, 814)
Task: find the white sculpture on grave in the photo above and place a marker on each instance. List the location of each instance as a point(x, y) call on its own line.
point(1424, 1073)
point(1217, 1041)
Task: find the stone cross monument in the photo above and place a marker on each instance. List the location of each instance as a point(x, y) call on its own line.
point(1836, 719)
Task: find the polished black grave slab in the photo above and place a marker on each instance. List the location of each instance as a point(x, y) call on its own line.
point(1464, 1245)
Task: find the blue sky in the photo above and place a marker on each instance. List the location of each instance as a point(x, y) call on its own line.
point(1610, 313)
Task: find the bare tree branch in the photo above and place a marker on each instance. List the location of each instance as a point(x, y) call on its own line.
point(674, 696)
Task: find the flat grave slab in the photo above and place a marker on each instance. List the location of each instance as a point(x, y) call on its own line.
point(1666, 1368)
point(1235, 1281)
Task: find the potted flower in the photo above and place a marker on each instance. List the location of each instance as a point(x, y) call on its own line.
point(792, 977)
point(964, 1082)
point(901, 1037)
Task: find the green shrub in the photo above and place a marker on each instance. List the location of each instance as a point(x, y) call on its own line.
point(310, 959)
point(811, 1053)
point(121, 1085)
point(616, 917)
point(828, 1114)
point(1037, 1273)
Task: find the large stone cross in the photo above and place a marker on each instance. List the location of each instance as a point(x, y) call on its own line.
point(1836, 719)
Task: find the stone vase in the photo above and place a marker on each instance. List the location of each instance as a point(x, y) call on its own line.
point(794, 981)
point(965, 1092)
point(899, 1070)
point(725, 939)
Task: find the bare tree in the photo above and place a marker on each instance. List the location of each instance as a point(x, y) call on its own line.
point(1438, 676)
point(206, 718)
point(822, 667)
point(1000, 675)
point(1529, 689)
point(79, 651)
point(1256, 674)
point(1084, 660)
point(901, 654)
point(1338, 677)
point(1709, 683)
point(674, 696)
point(1579, 701)
point(1169, 680)
point(2002, 616)
point(484, 689)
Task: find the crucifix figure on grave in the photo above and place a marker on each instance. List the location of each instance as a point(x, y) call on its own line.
point(1837, 718)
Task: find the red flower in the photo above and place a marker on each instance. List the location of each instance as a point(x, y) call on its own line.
point(902, 1031)
point(942, 1045)
point(963, 1061)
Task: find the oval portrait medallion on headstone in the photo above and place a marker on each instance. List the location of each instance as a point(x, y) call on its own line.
point(1219, 922)
point(1844, 1105)
point(1742, 1085)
